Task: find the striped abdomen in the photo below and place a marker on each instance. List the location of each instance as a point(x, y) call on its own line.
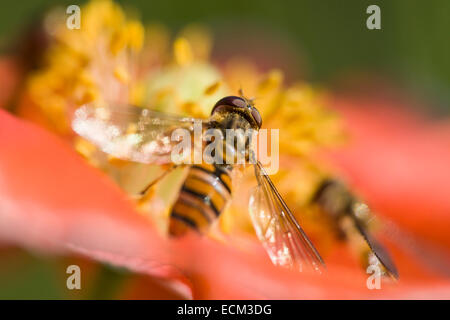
point(202, 198)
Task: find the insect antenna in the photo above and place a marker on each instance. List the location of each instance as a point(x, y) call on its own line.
point(250, 101)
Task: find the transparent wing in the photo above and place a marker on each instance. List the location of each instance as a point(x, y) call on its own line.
point(278, 230)
point(132, 133)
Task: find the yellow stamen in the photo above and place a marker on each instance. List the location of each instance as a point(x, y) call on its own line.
point(137, 94)
point(135, 32)
point(117, 162)
point(182, 52)
point(118, 41)
point(213, 88)
point(85, 148)
point(200, 40)
point(121, 74)
point(272, 81)
point(192, 108)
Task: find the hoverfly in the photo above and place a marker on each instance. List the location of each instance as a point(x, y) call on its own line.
point(207, 187)
point(350, 214)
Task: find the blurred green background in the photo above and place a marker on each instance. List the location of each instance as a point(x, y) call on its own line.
point(412, 49)
point(330, 38)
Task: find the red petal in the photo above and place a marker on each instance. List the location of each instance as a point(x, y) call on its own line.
point(50, 199)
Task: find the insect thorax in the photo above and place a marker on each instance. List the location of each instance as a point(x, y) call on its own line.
point(335, 198)
point(237, 135)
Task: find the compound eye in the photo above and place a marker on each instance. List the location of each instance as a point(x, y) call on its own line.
point(230, 101)
point(257, 117)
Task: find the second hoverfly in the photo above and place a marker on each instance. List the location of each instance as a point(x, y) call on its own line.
point(207, 187)
point(350, 216)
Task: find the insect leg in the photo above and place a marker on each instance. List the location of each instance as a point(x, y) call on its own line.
point(144, 192)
